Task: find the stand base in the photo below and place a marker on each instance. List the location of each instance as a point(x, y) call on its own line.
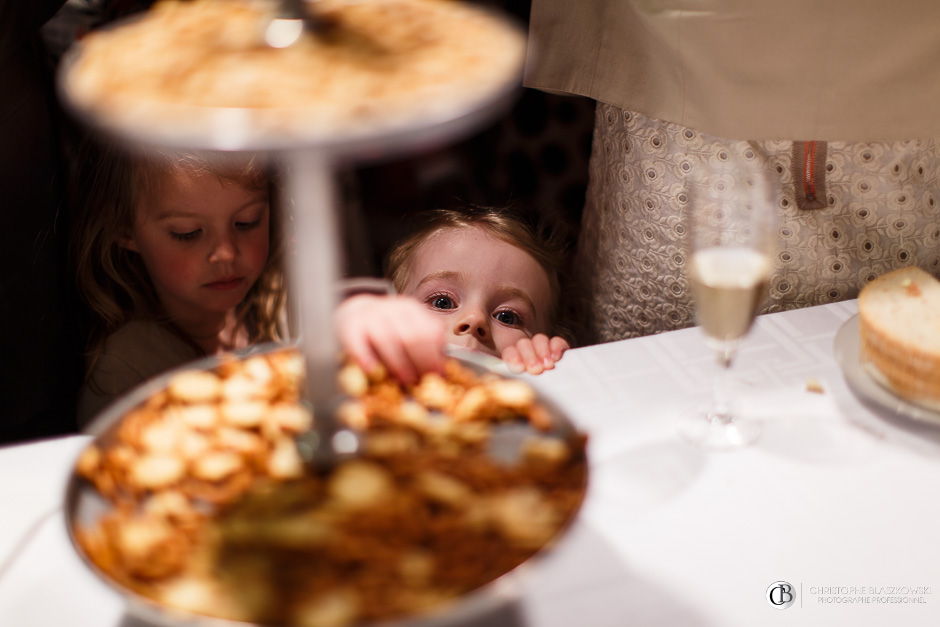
point(718, 432)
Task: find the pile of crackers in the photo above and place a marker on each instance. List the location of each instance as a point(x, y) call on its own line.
point(212, 510)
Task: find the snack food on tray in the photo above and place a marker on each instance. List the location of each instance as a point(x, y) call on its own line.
point(376, 64)
point(211, 510)
point(899, 326)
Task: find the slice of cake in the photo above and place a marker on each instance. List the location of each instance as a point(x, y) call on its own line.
point(899, 324)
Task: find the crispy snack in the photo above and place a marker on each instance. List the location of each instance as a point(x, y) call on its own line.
point(378, 64)
point(215, 513)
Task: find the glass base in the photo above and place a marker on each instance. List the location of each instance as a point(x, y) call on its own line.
point(718, 432)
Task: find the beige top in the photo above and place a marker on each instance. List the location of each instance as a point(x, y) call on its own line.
point(854, 70)
point(139, 350)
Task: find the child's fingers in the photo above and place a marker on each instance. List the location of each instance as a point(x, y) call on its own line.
point(513, 359)
point(423, 343)
point(558, 345)
point(391, 350)
point(358, 346)
point(532, 362)
point(542, 350)
point(352, 327)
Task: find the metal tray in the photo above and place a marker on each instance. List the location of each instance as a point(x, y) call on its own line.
point(432, 121)
point(82, 505)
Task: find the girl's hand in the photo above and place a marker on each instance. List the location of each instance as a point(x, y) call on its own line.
point(396, 332)
point(535, 354)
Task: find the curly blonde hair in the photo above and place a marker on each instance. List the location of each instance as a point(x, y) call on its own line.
point(545, 247)
point(113, 280)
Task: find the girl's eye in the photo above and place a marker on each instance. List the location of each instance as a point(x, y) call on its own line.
point(185, 237)
point(247, 226)
point(441, 301)
point(509, 318)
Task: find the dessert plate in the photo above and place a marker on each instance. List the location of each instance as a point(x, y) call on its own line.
point(868, 385)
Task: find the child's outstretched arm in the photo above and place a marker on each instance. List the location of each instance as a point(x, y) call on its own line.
point(535, 354)
point(396, 332)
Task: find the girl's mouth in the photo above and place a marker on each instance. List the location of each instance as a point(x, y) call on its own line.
point(225, 284)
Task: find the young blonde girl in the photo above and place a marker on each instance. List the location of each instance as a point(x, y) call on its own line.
point(491, 278)
point(176, 257)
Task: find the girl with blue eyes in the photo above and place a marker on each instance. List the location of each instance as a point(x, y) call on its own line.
point(490, 280)
point(177, 258)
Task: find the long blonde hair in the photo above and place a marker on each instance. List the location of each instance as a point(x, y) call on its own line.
point(113, 280)
point(545, 246)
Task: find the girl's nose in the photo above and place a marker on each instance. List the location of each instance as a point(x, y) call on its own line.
point(475, 323)
point(224, 251)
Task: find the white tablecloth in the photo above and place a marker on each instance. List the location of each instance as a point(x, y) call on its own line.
point(835, 499)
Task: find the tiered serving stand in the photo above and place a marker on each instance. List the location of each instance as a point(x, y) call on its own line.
point(307, 157)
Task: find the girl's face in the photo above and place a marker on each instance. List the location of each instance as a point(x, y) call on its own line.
point(204, 242)
point(491, 293)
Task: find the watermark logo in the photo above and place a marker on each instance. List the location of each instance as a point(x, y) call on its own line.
point(781, 595)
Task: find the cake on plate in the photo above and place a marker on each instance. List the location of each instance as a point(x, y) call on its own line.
point(899, 326)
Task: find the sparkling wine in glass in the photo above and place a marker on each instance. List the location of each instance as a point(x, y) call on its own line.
point(728, 271)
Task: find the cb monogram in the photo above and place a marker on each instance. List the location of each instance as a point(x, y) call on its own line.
point(781, 595)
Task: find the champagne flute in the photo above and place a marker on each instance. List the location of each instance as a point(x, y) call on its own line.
point(729, 269)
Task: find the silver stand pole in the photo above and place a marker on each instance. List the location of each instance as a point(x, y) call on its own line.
point(311, 241)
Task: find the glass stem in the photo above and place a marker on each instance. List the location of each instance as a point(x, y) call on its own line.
point(721, 399)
